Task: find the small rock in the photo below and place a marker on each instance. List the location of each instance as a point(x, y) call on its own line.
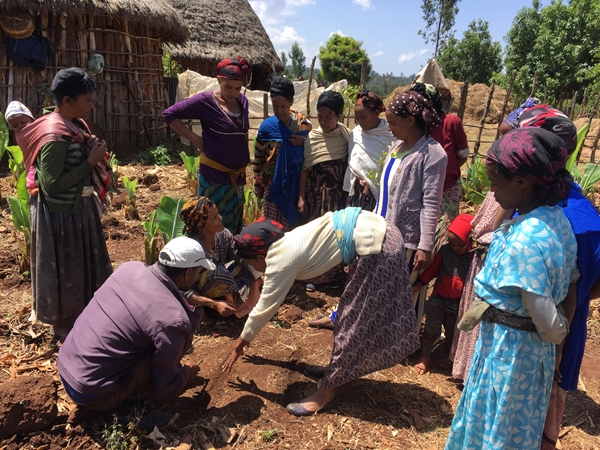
point(150, 179)
point(154, 187)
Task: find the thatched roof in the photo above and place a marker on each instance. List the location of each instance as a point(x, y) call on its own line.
point(158, 14)
point(223, 29)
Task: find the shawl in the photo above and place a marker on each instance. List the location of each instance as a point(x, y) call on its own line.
point(322, 147)
point(365, 152)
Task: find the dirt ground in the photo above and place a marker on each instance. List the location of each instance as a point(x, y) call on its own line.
point(390, 409)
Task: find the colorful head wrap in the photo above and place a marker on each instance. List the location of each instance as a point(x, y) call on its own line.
point(283, 87)
point(461, 227)
point(537, 155)
point(233, 69)
point(414, 104)
point(195, 214)
point(332, 100)
point(370, 101)
point(553, 120)
point(72, 82)
point(256, 238)
point(430, 92)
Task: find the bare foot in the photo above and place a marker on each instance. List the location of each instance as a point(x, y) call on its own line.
point(422, 366)
point(317, 400)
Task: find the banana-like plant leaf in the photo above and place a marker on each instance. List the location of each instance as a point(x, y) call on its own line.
point(3, 135)
point(169, 222)
point(591, 177)
point(581, 134)
point(20, 215)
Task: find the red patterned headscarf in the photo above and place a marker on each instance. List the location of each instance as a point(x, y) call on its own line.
point(256, 238)
point(234, 69)
point(370, 100)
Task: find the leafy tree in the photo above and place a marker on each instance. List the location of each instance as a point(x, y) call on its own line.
point(341, 57)
point(171, 68)
point(475, 58)
point(284, 61)
point(298, 60)
point(384, 84)
point(560, 42)
point(439, 19)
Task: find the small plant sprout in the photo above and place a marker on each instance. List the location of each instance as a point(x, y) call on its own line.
point(151, 238)
point(15, 163)
point(475, 182)
point(191, 167)
point(130, 209)
point(19, 207)
point(269, 435)
point(113, 162)
point(252, 205)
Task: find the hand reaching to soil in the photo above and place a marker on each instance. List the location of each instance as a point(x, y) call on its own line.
point(237, 351)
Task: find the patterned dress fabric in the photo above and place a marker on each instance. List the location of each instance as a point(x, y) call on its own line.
point(506, 395)
point(325, 191)
point(463, 345)
point(228, 199)
point(375, 327)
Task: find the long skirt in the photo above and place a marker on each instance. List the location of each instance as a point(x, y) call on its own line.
point(375, 327)
point(505, 399)
point(359, 199)
point(463, 345)
point(421, 295)
point(69, 261)
point(228, 199)
point(325, 191)
point(271, 211)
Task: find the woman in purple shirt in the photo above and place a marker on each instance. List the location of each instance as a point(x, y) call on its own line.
point(223, 145)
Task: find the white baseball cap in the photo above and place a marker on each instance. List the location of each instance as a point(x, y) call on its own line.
point(184, 252)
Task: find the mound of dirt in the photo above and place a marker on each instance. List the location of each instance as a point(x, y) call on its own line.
point(27, 404)
point(476, 100)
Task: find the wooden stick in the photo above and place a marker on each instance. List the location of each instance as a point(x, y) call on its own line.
point(534, 83)
point(571, 110)
point(464, 91)
point(265, 105)
point(363, 73)
point(485, 113)
point(506, 97)
point(545, 94)
point(310, 78)
point(592, 114)
point(581, 111)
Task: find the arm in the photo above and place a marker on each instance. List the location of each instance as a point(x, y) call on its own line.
point(551, 325)
point(432, 271)
point(461, 143)
point(169, 377)
point(260, 150)
point(50, 165)
point(181, 129)
point(224, 307)
point(302, 191)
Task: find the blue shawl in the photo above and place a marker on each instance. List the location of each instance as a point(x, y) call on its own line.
point(284, 188)
point(344, 222)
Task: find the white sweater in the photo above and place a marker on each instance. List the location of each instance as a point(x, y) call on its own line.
point(304, 253)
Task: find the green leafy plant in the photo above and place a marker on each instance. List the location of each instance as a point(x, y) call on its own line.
point(475, 182)
point(269, 435)
point(113, 162)
point(191, 167)
point(349, 93)
point(252, 205)
point(169, 220)
point(375, 175)
point(151, 238)
point(3, 135)
point(130, 208)
point(588, 179)
point(116, 438)
point(15, 163)
point(171, 67)
point(158, 156)
point(19, 207)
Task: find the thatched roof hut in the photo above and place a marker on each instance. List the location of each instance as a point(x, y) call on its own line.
point(222, 29)
point(129, 35)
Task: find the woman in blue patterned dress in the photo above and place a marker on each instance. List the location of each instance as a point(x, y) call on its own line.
point(526, 275)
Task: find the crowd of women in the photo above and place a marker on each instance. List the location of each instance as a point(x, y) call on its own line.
point(377, 199)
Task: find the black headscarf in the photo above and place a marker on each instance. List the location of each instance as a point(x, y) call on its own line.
point(72, 82)
point(255, 239)
point(537, 155)
point(413, 104)
point(430, 92)
point(332, 100)
point(284, 87)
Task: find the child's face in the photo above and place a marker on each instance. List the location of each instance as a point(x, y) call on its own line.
point(18, 122)
point(456, 244)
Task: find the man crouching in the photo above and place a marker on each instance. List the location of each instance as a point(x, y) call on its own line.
point(130, 338)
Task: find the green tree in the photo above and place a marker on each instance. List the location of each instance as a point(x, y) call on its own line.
point(439, 18)
point(284, 61)
point(298, 60)
point(475, 58)
point(341, 58)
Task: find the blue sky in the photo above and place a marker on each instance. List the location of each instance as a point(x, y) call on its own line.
point(387, 28)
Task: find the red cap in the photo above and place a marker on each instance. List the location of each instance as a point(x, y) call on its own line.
point(461, 226)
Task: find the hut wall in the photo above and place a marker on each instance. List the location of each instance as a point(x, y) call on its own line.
point(130, 93)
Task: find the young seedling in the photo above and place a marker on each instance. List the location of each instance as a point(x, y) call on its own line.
point(130, 208)
point(19, 208)
point(191, 167)
point(151, 238)
point(113, 162)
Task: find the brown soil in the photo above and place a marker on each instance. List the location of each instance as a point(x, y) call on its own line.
point(390, 409)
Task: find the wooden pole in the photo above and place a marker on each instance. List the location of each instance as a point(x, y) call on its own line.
point(265, 105)
point(464, 91)
point(534, 83)
point(585, 93)
point(545, 95)
point(482, 124)
point(571, 110)
point(363, 73)
point(506, 97)
point(310, 78)
point(592, 114)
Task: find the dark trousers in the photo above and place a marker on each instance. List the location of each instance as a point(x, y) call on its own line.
point(436, 317)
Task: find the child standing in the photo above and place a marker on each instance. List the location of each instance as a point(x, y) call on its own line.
point(449, 268)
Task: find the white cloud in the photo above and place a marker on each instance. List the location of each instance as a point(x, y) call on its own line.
point(366, 4)
point(378, 53)
point(285, 35)
point(275, 12)
point(331, 33)
point(408, 56)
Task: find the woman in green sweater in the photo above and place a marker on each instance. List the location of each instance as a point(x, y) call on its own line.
point(69, 259)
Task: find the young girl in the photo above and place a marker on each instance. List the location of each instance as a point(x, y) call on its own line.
point(526, 275)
